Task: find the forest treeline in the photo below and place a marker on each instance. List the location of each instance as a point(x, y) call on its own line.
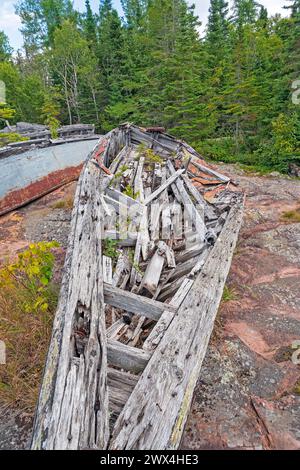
point(232, 93)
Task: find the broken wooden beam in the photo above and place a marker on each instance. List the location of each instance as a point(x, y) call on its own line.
point(164, 186)
point(134, 303)
point(126, 357)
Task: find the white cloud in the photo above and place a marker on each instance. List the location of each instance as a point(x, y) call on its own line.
point(202, 6)
point(10, 23)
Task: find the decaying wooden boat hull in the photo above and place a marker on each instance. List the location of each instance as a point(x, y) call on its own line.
point(132, 327)
point(34, 173)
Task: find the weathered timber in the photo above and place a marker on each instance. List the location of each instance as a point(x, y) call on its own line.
point(170, 376)
point(164, 186)
point(154, 268)
point(192, 212)
point(163, 343)
point(159, 329)
point(121, 266)
point(126, 357)
point(134, 303)
point(72, 409)
point(107, 269)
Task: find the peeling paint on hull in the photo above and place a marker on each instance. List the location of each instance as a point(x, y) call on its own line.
point(33, 191)
point(30, 175)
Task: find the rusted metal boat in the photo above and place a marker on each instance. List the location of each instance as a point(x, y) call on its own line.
point(37, 166)
point(145, 269)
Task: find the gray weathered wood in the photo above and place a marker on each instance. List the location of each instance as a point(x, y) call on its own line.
point(164, 186)
point(192, 212)
point(159, 329)
point(72, 409)
point(170, 376)
point(154, 269)
point(107, 269)
point(134, 303)
point(126, 357)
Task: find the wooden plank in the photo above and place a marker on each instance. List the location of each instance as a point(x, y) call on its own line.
point(72, 409)
point(107, 269)
point(121, 266)
point(170, 376)
point(153, 272)
point(116, 162)
point(199, 199)
point(194, 216)
point(126, 357)
point(134, 303)
point(159, 330)
point(138, 181)
point(164, 186)
point(114, 329)
point(124, 199)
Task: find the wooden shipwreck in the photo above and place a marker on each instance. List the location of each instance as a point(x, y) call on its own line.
point(135, 314)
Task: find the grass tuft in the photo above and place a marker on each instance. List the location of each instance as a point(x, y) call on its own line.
point(63, 204)
point(229, 294)
point(292, 216)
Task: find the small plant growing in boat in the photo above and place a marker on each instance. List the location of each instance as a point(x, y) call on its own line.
point(109, 248)
point(122, 169)
point(133, 263)
point(150, 156)
point(129, 191)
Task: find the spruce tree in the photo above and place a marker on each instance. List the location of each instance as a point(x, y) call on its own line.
point(244, 13)
point(217, 27)
point(5, 49)
point(90, 25)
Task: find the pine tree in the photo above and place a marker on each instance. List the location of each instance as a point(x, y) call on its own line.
point(244, 13)
point(5, 49)
point(294, 7)
point(90, 25)
point(217, 27)
point(40, 18)
point(134, 11)
point(110, 57)
point(263, 17)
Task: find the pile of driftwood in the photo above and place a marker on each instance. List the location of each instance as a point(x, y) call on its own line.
point(145, 270)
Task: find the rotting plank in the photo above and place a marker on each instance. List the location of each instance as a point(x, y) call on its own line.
point(134, 303)
point(72, 409)
point(126, 357)
point(170, 376)
point(164, 186)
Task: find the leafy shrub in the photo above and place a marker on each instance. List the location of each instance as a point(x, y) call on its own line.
point(9, 137)
point(28, 300)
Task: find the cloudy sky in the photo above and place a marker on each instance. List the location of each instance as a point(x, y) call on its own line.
point(10, 22)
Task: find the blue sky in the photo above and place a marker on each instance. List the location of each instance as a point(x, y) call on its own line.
point(10, 22)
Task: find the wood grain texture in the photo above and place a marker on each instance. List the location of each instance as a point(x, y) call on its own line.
point(72, 410)
point(134, 303)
